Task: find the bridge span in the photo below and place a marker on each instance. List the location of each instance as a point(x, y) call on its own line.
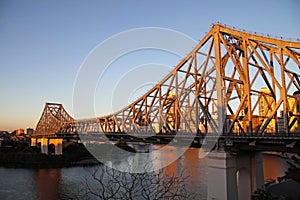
point(239, 89)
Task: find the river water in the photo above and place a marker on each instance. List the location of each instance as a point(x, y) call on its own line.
point(70, 183)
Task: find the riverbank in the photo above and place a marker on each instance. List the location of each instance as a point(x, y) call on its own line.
point(74, 154)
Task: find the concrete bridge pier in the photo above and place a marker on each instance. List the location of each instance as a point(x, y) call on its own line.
point(45, 142)
point(222, 182)
point(58, 145)
point(250, 175)
point(234, 177)
point(44, 145)
point(33, 142)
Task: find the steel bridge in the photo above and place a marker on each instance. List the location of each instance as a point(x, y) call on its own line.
point(232, 83)
point(240, 88)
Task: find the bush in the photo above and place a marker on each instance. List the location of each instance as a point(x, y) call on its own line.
point(113, 184)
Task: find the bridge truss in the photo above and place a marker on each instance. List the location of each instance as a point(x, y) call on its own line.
point(232, 82)
point(54, 119)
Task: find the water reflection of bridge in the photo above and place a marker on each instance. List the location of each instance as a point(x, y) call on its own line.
point(238, 89)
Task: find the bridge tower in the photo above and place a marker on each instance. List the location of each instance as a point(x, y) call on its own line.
point(54, 125)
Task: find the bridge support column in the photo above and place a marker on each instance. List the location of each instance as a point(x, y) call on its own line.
point(33, 142)
point(234, 177)
point(250, 175)
point(258, 171)
point(222, 182)
point(58, 146)
point(44, 145)
point(244, 177)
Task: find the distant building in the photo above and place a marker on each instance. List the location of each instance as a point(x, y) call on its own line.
point(241, 126)
point(266, 107)
point(29, 131)
point(190, 115)
point(20, 131)
point(173, 119)
point(293, 113)
point(294, 109)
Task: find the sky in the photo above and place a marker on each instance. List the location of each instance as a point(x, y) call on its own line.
point(43, 44)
